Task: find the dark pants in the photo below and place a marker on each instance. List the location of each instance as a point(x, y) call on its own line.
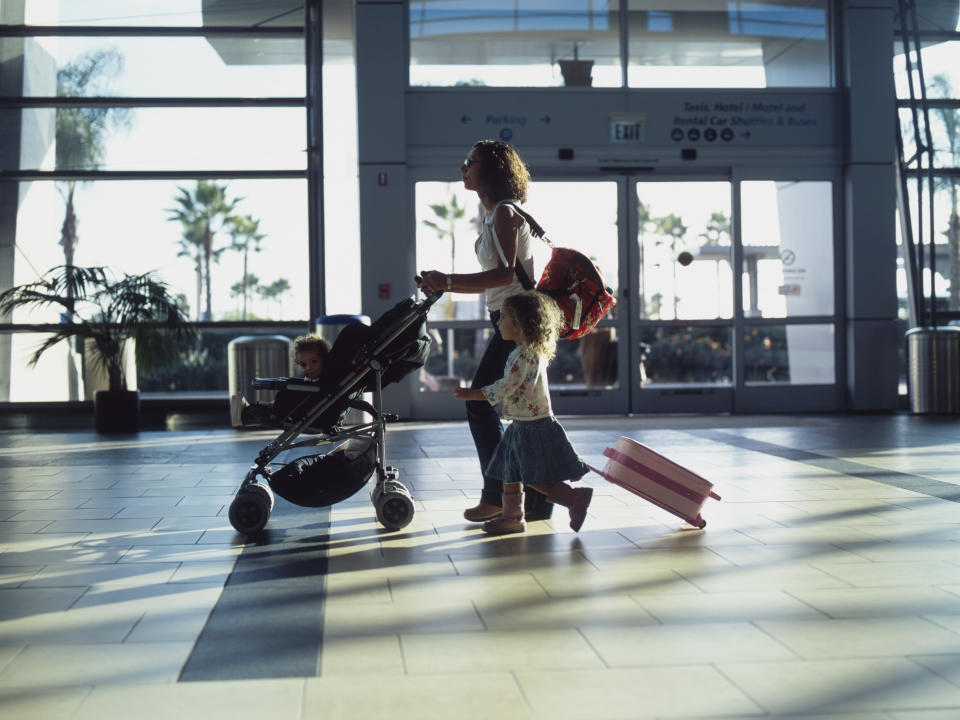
point(485, 426)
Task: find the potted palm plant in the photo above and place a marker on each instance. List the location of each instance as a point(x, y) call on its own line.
point(105, 312)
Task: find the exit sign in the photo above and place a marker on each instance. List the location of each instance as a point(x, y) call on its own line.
point(628, 128)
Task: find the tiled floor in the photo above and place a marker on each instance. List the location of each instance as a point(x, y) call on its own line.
point(826, 584)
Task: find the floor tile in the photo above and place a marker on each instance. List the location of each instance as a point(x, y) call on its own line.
point(658, 692)
point(480, 652)
point(274, 699)
point(97, 664)
point(833, 687)
point(427, 697)
point(863, 637)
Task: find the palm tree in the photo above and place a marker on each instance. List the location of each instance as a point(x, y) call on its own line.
point(82, 131)
point(81, 134)
point(245, 237)
point(191, 246)
point(249, 284)
point(445, 226)
point(203, 214)
point(274, 291)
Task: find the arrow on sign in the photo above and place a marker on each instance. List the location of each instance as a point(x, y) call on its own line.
point(745, 133)
point(464, 119)
point(545, 119)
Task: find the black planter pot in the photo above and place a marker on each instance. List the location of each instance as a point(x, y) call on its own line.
point(116, 411)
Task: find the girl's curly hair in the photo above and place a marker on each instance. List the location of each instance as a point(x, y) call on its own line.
point(539, 319)
point(503, 174)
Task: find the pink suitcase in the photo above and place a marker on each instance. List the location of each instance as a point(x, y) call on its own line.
point(646, 473)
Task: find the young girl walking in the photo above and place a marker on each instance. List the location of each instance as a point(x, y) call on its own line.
point(534, 451)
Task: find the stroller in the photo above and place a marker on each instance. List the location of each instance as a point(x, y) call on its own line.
point(363, 359)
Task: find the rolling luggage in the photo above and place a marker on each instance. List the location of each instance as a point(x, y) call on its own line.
point(646, 473)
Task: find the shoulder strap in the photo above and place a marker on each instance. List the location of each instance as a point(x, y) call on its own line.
point(535, 228)
point(518, 268)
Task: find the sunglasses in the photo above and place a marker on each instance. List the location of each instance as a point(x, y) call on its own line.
point(469, 161)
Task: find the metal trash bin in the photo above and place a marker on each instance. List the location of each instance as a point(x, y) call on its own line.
point(933, 369)
point(253, 356)
point(328, 327)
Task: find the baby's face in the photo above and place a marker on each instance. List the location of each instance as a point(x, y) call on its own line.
point(311, 363)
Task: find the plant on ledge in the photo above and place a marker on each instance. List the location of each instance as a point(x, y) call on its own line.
point(97, 307)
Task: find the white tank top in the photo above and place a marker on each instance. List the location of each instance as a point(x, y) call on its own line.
point(491, 256)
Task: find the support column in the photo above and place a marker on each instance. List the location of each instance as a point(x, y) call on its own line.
point(387, 246)
point(870, 207)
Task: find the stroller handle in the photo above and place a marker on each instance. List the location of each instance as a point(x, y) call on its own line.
point(430, 299)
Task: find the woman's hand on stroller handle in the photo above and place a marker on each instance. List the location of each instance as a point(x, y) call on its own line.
point(431, 282)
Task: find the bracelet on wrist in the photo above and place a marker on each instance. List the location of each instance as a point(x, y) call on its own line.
point(449, 282)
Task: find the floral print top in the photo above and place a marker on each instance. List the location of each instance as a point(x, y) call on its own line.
point(523, 388)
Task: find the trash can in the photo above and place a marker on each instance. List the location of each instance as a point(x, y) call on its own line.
point(253, 356)
point(328, 327)
point(933, 369)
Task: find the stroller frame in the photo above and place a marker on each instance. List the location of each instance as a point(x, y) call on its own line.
point(392, 501)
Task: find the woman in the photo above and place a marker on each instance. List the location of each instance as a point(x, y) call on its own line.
point(493, 170)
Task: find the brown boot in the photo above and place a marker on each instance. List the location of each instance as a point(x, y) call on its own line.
point(482, 511)
point(576, 501)
point(511, 519)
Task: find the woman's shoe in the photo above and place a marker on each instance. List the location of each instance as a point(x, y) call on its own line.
point(481, 512)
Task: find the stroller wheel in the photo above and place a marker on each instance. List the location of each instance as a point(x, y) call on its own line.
point(251, 508)
point(394, 510)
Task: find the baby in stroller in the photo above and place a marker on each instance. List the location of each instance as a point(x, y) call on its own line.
point(310, 354)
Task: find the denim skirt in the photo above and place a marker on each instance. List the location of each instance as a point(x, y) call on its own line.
point(535, 452)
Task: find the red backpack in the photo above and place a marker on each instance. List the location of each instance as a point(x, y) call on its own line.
point(572, 280)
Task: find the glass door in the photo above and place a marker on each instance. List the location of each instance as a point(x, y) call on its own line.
point(682, 256)
point(586, 374)
point(726, 289)
point(735, 307)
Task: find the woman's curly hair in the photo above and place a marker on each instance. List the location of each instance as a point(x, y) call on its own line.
point(539, 319)
point(503, 174)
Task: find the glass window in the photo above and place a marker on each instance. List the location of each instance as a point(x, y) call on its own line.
point(531, 43)
point(685, 355)
point(940, 71)
point(946, 233)
point(772, 43)
point(789, 354)
point(454, 356)
point(258, 235)
point(182, 13)
point(155, 66)
point(787, 231)
point(165, 139)
point(685, 263)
